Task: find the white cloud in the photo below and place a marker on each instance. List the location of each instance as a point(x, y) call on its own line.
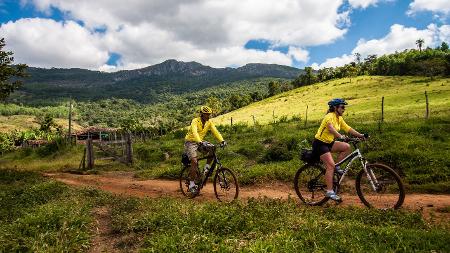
point(210, 31)
point(362, 3)
point(398, 39)
point(334, 62)
point(299, 54)
point(438, 6)
point(47, 43)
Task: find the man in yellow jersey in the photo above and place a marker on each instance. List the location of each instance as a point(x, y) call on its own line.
point(193, 142)
point(324, 143)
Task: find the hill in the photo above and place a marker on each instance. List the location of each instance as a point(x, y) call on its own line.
point(404, 96)
point(147, 85)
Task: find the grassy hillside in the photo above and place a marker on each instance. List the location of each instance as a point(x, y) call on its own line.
point(404, 97)
point(25, 122)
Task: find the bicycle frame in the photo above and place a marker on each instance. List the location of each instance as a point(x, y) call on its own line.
point(211, 170)
point(356, 154)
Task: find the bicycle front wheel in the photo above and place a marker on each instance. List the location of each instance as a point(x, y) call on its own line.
point(387, 191)
point(226, 186)
point(310, 186)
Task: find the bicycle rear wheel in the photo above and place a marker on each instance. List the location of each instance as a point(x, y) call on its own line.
point(184, 183)
point(389, 192)
point(310, 186)
point(226, 187)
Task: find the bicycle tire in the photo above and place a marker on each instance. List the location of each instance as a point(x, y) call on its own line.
point(225, 185)
point(381, 172)
point(305, 184)
point(184, 182)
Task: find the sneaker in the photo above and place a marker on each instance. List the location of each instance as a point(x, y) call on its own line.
point(332, 195)
point(193, 189)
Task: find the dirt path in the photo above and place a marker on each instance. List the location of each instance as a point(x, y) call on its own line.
point(124, 183)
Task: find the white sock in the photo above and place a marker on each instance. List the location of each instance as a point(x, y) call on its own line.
point(207, 166)
point(191, 184)
point(330, 191)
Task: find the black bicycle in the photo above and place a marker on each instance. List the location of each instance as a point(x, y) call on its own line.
point(377, 185)
point(226, 187)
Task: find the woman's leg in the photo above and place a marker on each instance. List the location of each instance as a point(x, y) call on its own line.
point(342, 148)
point(328, 161)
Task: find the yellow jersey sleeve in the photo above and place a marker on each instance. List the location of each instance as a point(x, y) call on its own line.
point(194, 131)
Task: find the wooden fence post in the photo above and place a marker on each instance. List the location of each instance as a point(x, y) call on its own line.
point(231, 121)
point(428, 111)
point(254, 120)
point(90, 154)
point(129, 150)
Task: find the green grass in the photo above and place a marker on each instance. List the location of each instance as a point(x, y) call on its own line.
point(404, 98)
point(266, 225)
point(41, 215)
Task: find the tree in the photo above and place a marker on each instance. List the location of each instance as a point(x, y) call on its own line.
point(444, 46)
point(46, 123)
point(274, 88)
point(9, 71)
point(419, 44)
point(358, 58)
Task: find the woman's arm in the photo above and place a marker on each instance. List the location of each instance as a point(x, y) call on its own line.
point(332, 130)
point(355, 133)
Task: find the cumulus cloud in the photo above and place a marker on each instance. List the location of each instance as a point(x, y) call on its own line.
point(47, 43)
point(398, 39)
point(438, 6)
point(362, 3)
point(212, 32)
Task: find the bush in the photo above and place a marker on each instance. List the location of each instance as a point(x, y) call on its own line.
point(277, 152)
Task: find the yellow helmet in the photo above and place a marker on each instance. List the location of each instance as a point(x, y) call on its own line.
point(205, 109)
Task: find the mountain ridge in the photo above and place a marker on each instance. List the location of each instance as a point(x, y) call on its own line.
point(143, 84)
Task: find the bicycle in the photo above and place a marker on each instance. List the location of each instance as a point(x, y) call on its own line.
point(226, 187)
point(377, 185)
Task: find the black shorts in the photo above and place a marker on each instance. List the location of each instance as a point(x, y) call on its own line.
point(319, 147)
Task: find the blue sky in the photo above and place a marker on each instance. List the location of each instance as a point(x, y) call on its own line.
point(95, 35)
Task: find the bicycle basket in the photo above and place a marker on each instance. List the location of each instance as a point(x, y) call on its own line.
point(307, 155)
point(185, 159)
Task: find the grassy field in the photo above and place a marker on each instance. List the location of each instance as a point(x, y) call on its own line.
point(40, 215)
point(404, 97)
point(26, 122)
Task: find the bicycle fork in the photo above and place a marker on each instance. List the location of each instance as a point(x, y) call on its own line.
point(370, 175)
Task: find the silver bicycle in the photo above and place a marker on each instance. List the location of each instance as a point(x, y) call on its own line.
point(377, 185)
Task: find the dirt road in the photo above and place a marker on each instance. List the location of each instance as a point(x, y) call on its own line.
point(124, 183)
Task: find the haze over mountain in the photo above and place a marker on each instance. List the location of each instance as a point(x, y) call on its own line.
point(143, 85)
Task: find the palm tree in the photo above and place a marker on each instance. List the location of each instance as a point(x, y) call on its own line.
point(419, 44)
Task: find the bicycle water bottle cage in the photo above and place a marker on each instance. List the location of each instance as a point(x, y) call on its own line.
point(185, 159)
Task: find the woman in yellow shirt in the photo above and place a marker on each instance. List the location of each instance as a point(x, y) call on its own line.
point(324, 143)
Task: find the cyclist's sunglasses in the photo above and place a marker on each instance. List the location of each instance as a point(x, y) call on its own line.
point(341, 106)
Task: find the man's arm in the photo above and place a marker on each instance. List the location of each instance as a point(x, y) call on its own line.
point(216, 133)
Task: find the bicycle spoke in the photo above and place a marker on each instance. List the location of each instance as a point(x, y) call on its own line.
point(388, 193)
point(310, 184)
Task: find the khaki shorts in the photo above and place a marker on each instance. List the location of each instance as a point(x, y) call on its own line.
point(191, 149)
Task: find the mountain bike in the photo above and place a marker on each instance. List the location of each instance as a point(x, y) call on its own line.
point(377, 185)
point(226, 187)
